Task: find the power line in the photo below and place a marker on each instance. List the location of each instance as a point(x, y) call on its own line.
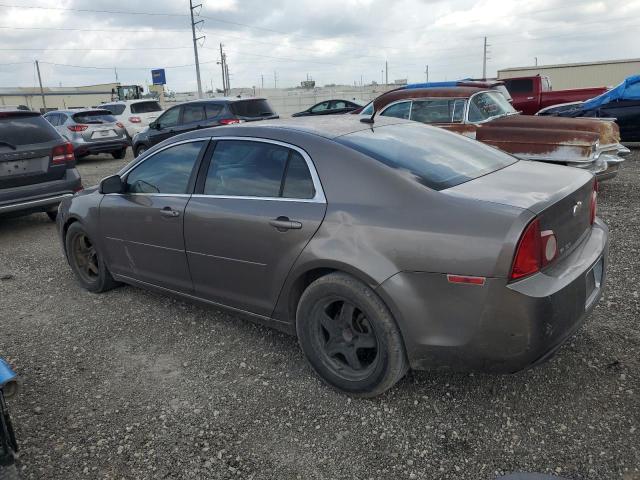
point(92, 67)
point(89, 49)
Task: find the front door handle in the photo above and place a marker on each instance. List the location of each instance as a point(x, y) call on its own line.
point(169, 212)
point(282, 224)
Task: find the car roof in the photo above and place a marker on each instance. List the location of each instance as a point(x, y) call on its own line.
point(130, 102)
point(73, 111)
point(327, 126)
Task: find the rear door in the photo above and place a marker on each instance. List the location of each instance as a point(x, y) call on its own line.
point(259, 204)
point(143, 227)
point(26, 142)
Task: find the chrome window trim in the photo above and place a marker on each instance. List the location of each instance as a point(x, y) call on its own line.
point(152, 154)
point(317, 185)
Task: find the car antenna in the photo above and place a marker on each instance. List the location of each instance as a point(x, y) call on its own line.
point(369, 119)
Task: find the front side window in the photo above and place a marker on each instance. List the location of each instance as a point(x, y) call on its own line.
point(399, 110)
point(168, 171)
point(257, 169)
point(487, 105)
point(320, 107)
point(438, 110)
point(193, 113)
point(169, 118)
point(94, 117)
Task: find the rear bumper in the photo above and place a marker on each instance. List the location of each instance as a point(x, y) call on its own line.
point(500, 326)
point(88, 148)
point(40, 196)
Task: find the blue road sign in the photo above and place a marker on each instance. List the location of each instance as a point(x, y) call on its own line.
point(158, 77)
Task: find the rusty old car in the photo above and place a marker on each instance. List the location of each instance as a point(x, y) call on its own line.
point(479, 110)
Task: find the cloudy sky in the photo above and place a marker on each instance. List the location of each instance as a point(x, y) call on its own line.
point(334, 41)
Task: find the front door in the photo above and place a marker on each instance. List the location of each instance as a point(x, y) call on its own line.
point(165, 126)
point(257, 208)
point(143, 227)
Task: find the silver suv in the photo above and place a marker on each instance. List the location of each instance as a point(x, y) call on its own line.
point(90, 131)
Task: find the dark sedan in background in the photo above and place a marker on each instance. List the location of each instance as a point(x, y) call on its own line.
point(201, 114)
point(621, 104)
point(37, 165)
point(382, 246)
point(329, 107)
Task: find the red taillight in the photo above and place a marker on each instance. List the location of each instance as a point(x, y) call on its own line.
point(135, 119)
point(535, 250)
point(78, 189)
point(594, 202)
point(78, 128)
point(62, 154)
point(465, 279)
point(527, 259)
point(119, 125)
point(229, 121)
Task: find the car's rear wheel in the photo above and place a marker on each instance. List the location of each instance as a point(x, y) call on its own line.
point(119, 154)
point(140, 149)
point(349, 336)
point(86, 261)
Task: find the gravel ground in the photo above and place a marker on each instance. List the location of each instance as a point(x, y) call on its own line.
point(129, 384)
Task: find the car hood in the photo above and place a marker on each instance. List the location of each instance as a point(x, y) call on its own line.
point(548, 138)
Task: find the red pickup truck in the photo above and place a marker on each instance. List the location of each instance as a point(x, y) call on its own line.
point(531, 94)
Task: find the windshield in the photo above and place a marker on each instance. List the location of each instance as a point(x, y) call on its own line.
point(435, 158)
point(487, 105)
point(96, 116)
point(146, 107)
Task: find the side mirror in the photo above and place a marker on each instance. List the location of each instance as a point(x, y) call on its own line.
point(112, 184)
point(154, 126)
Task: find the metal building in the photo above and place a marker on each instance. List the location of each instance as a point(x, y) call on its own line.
point(579, 75)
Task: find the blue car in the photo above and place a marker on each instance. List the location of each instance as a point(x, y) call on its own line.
point(8, 445)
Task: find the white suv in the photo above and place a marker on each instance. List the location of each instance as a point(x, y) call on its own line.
point(135, 115)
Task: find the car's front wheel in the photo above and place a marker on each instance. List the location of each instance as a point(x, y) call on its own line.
point(140, 149)
point(349, 336)
point(86, 261)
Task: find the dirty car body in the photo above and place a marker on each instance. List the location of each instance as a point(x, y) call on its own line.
point(430, 222)
point(485, 115)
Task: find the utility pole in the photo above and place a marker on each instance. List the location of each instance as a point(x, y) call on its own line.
point(115, 70)
point(275, 79)
point(44, 104)
point(262, 80)
point(426, 71)
point(381, 76)
point(386, 72)
point(536, 59)
point(195, 44)
point(224, 75)
point(484, 60)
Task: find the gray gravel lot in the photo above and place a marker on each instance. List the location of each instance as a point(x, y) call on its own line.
point(129, 384)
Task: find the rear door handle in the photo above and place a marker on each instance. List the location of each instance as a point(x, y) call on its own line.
point(169, 212)
point(282, 224)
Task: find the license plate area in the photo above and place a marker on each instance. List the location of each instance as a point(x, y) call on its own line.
point(24, 167)
point(103, 134)
point(594, 282)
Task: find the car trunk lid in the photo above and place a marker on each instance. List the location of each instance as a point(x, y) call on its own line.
point(147, 112)
point(100, 126)
point(559, 196)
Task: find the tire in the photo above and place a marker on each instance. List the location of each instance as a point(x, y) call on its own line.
point(52, 214)
point(349, 337)
point(86, 261)
point(140, 149)
point(119, 154)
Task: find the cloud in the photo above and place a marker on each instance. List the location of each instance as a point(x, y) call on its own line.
point(335, 41)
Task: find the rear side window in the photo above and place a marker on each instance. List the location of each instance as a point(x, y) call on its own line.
point(435, 158)
point(97, 116)
point(25, 130)
point(258, 169)
point(115, 109)
point(212, 110)
point(192, 113)
point(252, 108)
point(524, 85)
point(438, 111)
point(145, 107)
point(168, 171)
